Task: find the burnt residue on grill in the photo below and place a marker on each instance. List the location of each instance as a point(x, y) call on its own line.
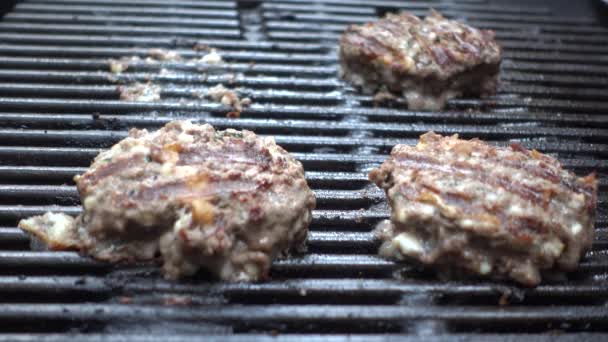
point(57, 110)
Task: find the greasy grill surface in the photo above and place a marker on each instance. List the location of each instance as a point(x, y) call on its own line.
point(59, 106)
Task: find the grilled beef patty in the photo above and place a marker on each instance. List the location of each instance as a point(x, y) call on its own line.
point(227, 201)
point(427, 61)
point(464, 205)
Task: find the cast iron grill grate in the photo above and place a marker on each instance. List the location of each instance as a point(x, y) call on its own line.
point(59, 106)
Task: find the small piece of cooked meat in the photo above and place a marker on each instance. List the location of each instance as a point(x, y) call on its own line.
point(466, 206)
point(226, 201)
point(228, 97)
point(163, 55)
point(141, 92)
point(427, 61)
point(212, 58)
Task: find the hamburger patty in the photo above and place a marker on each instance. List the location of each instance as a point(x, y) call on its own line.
point(227, 201)
point(427, 61)
point(506, 213)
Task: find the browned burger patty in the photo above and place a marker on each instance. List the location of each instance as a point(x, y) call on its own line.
point(499, 212)
point(427, 61)
point(226, 201)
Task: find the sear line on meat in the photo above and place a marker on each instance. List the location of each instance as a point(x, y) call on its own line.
point(426, 61)
point(226, 201)
point(465, 207)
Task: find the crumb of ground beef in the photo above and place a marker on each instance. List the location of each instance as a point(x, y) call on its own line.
point(228, 97)
point(142, 92)
point(190, 196)
point(164, 55)
point(212, 57)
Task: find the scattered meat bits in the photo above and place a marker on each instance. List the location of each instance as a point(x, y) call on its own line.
point(143, 92)
point(227, 201)
point(174, 300)
point(153, 56)
point(149, 92)
point(200, 47)
point(233, 115)
point(382, 97)
point(427, 61)
point(163, 55)
point(125, 300)
point(118, 66)
point(212, 58)
point(228, 97)
point(465, 206)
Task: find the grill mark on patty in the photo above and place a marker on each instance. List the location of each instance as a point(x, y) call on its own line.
point(533, 195)
point(440, 55)
point(467, 170)
point(401, 32)
point(546, 170)
point(403, 16)
point(518, 226)
point(468, 47)
point(372, 46)
point(396, 29)
point(475, 210)
point(182, 191)
point(109, 169)
point(228, 154)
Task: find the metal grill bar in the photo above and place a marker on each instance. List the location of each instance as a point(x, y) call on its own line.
point(130, 20)
point(85, 77)
point(117, 52)
point(161, 10)
point(311, 313)
point(303, 142)
point(468, 5)
point(422, 6)
point(134, 30)
point(161, 42)
point(45, 119)
point(313, 287)
point(210, 4)
point(386, 130)
point(334, 29)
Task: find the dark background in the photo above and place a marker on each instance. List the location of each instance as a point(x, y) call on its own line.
point(560, 7)
point(568, 8)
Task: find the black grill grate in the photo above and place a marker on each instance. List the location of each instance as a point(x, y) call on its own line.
point(59, 106)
